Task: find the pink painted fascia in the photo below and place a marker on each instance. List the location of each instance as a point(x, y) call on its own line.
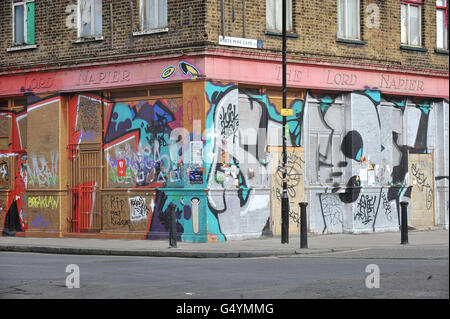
point(324, 77)
point(226, 65)
point(89, 78)
point(239, 54)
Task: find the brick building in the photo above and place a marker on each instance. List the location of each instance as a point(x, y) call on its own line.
point(111, 110)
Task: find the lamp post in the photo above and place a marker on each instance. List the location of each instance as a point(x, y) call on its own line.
point(284, 197)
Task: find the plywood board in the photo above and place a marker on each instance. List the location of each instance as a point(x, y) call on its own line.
point(43, 145)
point(123, 212)
point(421, 178)
point(295, 172)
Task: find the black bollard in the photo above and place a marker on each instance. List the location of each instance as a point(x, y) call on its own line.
point(404, 223)
point(173, 227)
point(284, 218)
point(303, 226)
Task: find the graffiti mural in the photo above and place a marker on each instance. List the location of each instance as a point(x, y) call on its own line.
point(240, 124)
point(140, 134)
point(371, 150)
point(212, 150)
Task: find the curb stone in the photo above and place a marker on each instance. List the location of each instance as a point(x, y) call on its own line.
point(156, 253)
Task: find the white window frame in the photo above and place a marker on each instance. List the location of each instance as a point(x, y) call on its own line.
point(142, 29)
point(408, 5)
point(345, 34)
point(289, 19)
point(25, 21)
point(79, 17)
point(445, 31)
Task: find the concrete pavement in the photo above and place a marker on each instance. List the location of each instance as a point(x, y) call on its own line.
point(262, 247)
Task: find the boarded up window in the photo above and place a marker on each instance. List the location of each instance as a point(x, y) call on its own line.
point(274, 15)
point(89, 18)
point(88, 120)
point(138, 143)
point(43, 149)
point(5, 129)
point(326, 129)
point(153, 14)
point(22, 127)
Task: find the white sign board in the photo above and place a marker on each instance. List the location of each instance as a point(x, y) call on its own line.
point(240, 42)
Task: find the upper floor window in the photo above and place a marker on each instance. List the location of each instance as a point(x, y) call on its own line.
point(153, 14)
point(441, 24)
point(348, 19)
point(23, 21)
point(411, 21)
point(274, 15)
point(89, 13)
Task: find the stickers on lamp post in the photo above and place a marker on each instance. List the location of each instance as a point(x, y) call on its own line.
point(287, 112)
point(286, 130)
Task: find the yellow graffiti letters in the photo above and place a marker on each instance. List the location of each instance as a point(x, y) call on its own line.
point(43, 202)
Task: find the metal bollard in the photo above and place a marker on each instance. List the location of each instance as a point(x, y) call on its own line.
point(404, 223)
point(303, 226)
point(173, 227)
point(284, 218)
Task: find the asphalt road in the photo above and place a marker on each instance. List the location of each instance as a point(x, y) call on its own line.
point(333, 275)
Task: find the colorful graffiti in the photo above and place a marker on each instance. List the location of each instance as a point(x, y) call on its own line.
point(39, 169)
point(187, 70)
point(225, 182)
point(240, 123)
point(140, 133)
point(16, 210)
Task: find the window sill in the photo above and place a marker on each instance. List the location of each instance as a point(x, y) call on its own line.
point(21, 47)
point(152, 31)
point(351, 41)
point(410, 48)
point(441, 51)
point(289, 34)
point(86, 40)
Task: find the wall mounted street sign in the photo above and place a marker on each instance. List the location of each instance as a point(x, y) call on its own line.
point(287, 112)
point(241, 42)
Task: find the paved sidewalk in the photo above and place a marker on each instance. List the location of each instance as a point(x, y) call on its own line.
point(262, 247)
